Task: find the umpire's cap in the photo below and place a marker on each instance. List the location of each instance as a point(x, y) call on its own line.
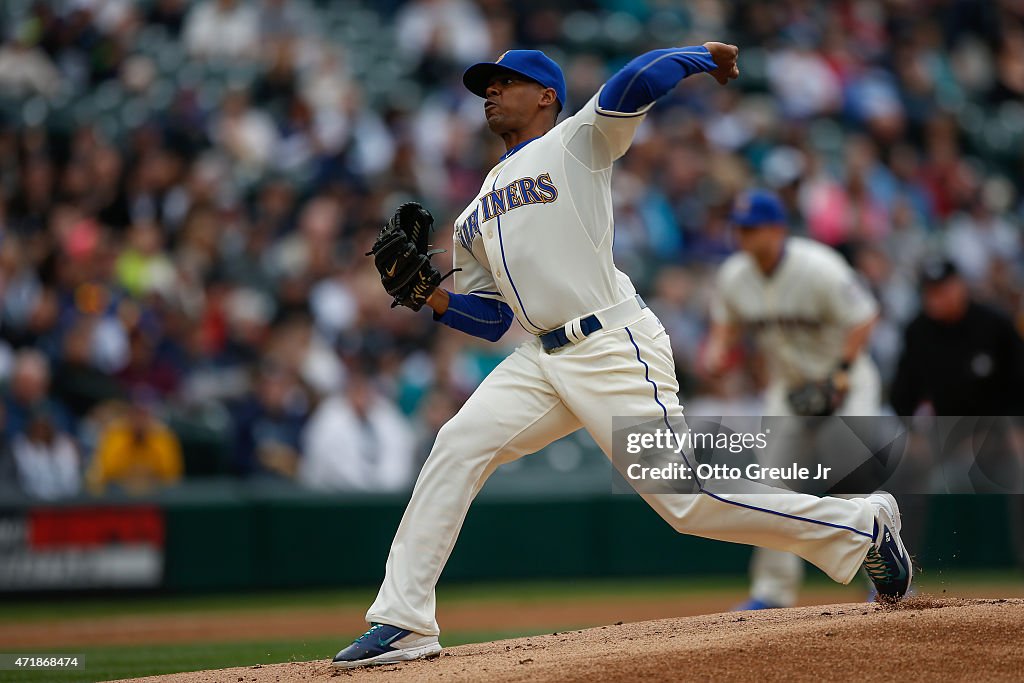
point(758, 207)
point(936, 269)
point(532, 64)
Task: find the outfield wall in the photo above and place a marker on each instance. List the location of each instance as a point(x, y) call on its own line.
point(230, 537)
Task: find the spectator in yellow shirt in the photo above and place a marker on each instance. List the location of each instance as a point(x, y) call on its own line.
point(137, 453)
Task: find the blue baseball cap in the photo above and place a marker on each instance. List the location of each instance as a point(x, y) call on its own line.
point(532, 64)
point(756, 208)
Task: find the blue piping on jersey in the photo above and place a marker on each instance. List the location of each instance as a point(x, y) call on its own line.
point(501, 243)
point(515, 149)
point(700, 484)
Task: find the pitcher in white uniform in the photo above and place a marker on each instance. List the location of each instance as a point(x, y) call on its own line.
point(812, 320)
point(536, 245)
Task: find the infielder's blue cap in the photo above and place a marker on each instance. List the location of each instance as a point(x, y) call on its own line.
point(533, 64)
point(758, 207)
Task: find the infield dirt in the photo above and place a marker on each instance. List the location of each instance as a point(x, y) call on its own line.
point(923, 639)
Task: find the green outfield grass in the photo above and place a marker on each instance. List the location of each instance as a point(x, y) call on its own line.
point(104, 663)
point(461, 593)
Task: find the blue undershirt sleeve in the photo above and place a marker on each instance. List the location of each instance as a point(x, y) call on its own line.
point(476, 315)
point(651, 75)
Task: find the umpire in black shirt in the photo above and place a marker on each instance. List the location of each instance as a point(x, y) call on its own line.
point(960, 356)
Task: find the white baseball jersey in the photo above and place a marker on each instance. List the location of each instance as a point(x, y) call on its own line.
point(801, 313)
point(547, 199)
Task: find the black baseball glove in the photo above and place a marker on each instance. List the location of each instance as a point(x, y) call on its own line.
point(816, 399)
point(402, 257)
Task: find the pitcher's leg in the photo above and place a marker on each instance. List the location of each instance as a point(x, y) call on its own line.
point(831, 533)
point(514, 412)
point(629, 372)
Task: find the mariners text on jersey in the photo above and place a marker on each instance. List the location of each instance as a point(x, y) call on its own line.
point(520, 192)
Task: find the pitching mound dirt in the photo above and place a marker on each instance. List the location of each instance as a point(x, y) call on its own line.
point(924, 639)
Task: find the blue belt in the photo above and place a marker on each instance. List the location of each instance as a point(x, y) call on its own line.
point(557, 338)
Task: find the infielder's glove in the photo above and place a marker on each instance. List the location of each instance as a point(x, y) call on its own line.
point(402, 257)
point(816, 399)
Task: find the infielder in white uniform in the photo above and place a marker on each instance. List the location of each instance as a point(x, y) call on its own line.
point(536, 245)
point(812, 320)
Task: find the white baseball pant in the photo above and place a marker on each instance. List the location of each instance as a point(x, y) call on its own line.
point(533, 398)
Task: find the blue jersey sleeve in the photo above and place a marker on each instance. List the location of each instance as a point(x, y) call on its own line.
point(651, 75)
point(476, 315)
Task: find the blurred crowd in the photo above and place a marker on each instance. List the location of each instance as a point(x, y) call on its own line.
point(187, 189)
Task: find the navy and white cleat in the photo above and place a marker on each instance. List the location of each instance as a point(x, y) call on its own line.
point(384, 644)
point(888, 563)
